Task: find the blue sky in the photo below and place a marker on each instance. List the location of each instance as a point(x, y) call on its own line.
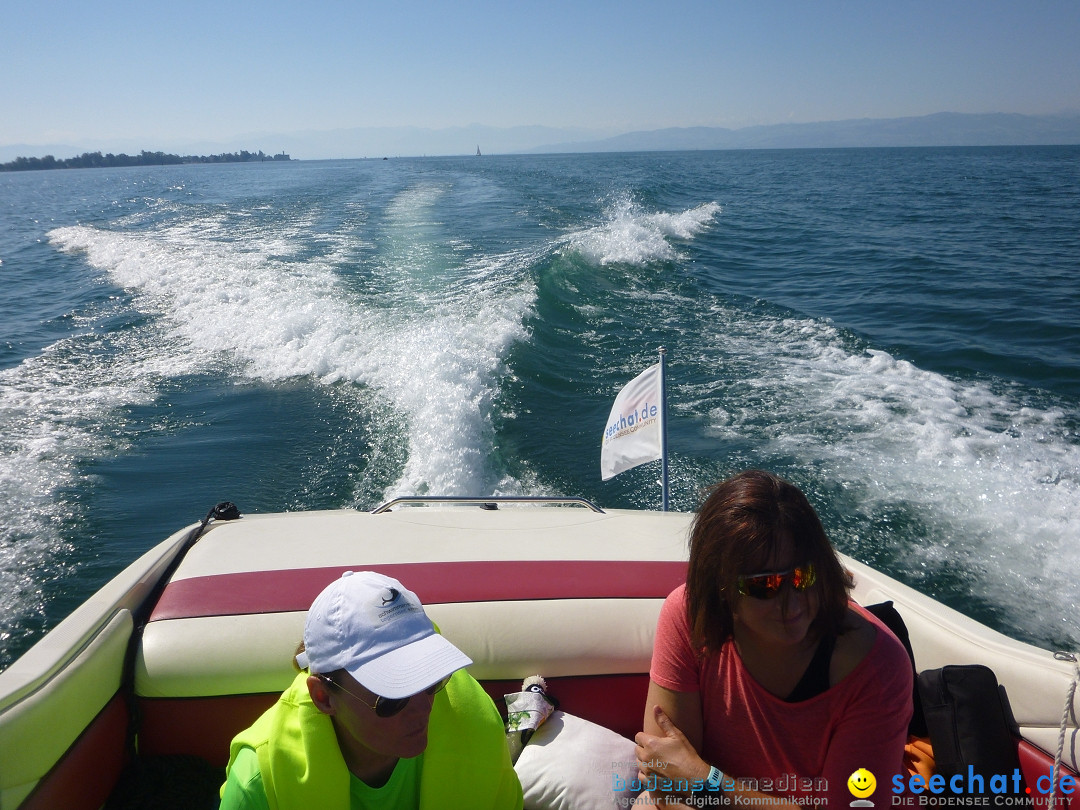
point(96, 72)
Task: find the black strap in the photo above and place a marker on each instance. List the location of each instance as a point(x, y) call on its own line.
point(815, 679)
point(891, 618)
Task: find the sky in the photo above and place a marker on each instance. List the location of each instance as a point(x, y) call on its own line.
point(94, 72)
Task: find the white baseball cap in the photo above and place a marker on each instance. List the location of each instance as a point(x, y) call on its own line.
point(374, 628)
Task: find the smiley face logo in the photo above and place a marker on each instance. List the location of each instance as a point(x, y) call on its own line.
point(861, 783)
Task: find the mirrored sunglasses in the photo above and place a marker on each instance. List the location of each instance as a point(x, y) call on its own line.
point(388, 707)
point(767, 586)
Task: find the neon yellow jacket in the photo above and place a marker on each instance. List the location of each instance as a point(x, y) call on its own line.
point(466, 763)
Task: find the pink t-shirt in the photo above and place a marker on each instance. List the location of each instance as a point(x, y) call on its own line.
point(805, 750)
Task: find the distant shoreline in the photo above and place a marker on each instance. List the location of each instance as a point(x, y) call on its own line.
point(94, 160)
point(354, 143)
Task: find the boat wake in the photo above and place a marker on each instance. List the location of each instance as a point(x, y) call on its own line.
point(275, 316)
point(962, 488)
point(631, 235)
point(62, 409)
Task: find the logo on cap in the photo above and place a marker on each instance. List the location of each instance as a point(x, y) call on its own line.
point(394, 605)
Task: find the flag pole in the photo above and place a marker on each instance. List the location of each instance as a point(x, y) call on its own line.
point(663, 429)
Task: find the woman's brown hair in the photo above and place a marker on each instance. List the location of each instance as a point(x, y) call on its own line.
point(737, 529)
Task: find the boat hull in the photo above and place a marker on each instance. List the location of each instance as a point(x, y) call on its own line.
point(572, 594)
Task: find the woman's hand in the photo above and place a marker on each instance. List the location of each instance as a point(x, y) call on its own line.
point(669, 757)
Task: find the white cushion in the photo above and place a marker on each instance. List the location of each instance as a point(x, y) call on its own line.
point(572, 763)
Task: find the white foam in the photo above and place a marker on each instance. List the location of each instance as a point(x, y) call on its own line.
point(435, 360)
point(630, 235)
point(60, 409)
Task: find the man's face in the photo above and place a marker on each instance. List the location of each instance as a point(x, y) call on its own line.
point(402, 735)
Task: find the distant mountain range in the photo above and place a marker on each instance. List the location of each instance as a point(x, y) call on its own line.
point(941, 129)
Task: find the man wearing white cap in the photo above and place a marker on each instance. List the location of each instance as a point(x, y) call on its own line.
point(382, 715)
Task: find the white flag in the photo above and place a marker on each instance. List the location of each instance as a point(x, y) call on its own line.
point(634, 434)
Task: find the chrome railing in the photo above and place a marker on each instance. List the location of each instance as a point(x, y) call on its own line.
point(485, 502)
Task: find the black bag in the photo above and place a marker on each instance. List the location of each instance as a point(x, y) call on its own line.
point(969, 720)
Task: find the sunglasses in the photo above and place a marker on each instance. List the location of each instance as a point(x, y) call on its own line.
point(388, 707)
point(767, 586)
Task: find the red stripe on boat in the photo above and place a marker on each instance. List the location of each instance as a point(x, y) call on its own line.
point(434, 582)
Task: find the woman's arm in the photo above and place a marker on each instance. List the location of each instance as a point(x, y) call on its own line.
point(665, 754)
point(668, 757)
point(683, 708)
point(672, 761)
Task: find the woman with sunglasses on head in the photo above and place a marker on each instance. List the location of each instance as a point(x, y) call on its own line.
point(767, 683)
point(382, 715)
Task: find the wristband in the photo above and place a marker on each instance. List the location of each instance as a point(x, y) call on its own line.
point(712, 783)
point(716, 776)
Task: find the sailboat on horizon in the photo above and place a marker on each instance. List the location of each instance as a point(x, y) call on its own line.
point(478, 150)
